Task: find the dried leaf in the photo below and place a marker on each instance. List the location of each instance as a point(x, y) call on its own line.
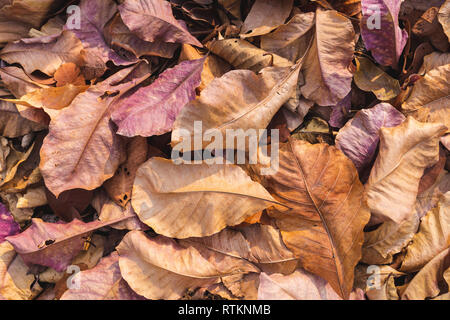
point(369, 77)
point(430, 96)
point(159, 268)
point(18, 82)
point(45, 54)
point(243, 55)
point(108, 210)
point(327, 212)
point(265, 16)
point(82, 130)
point(203, 200)
point(327, 78)
point(55, 98)
point(15, 281)
point(359, 138)
point(152, 20)
point(69, 73)
point(381, 32)
point(290, 40)
point(104, 282)
point(54, 244)
point(301, 285)
point(96, 14)
point(120, 185)
point(243, 100)
point(444, 17)
point(164, 99)
point(213, 67)
point(121, 38)
point(12, 124)
point(405, 152)
point(425, 284)
point(432, 238)
point(8, 226)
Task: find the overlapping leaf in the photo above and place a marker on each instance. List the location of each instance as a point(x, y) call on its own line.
point(327, 77)
point(405, 152)
point(326, 210)
point(152, 110)
point(381, 32)
point(203, 200)
point(82, 149)
point(159, 268)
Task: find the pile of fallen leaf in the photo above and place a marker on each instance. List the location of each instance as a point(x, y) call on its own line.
point(93, 205)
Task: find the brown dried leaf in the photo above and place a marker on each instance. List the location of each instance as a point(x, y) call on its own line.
point(323, 223)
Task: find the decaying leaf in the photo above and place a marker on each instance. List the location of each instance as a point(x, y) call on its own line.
point(45, 54)
point(359, 138)
point(229, 149)
point(243, 55)
point(153, 20)
point(381, 32)
point(54, 244)
point(12, 124)
point(159, 268)
point(96, 15)
point(203, 200)
point(430, 97)
point(290, 40)
point(405, 152)
point(327, 77)
point(300, 285)
point(326, 211)
point(255, 100)
point(432, 238)
point(444, 17)
point(82, 149)
point(369, 77)
point(163, 100)
point(18, 82)
point(119, 36)
point(15, 282)
point(265, 16)
point(425, 284)
point(103, 282)
point(55, 98)
point(8, 226)
point(120, 185)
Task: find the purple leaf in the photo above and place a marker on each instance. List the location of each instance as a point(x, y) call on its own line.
point(103, 282)
point(152, 20)
point(152, 110)
point(54, 244)
point(381, 32)
point(8, 226)
point(94, 16)
point(340, 111)
point(359, 138)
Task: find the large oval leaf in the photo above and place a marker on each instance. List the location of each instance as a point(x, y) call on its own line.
point(160, 268)
point(153, 20)
point(405, 152)
point(324, 223)
point(152, 110)
point(326, 67)
point(240, 99)
point(201, 201)
point(82, 149)
point(380, 30)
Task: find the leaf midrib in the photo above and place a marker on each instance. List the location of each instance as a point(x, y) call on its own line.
point(330, 237)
